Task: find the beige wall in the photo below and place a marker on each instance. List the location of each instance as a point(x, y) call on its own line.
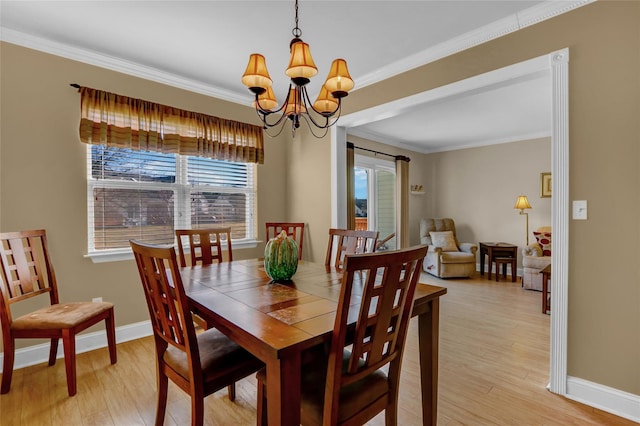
point(604, 157)
point(43, 168)
point(478, 188)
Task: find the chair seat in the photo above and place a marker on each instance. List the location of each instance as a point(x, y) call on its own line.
point(353, 397)
point(60, 316)
point(457, 257)
point(219, 357)
point(536, 262)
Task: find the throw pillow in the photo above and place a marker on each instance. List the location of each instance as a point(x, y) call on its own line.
point(444, 240)
point(544, 241)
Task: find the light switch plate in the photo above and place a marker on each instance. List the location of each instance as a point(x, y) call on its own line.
point(580, 209)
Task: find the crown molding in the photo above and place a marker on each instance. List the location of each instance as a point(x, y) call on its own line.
point(468, 40)
point(489, 32)
point(116, 64)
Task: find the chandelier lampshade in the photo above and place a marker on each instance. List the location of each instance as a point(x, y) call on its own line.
point(266, 100)
point(325, 104)
point(294, 105)
point(297, 106)
point(339, 81)
point(256, 77)
point(301, 65)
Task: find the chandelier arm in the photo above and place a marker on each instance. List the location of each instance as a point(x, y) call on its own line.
point(271, 111)
point(266, 129)
point(328, 119)
point(265, 122)
point(310, 104)
point(307, 117)
point(264, 113)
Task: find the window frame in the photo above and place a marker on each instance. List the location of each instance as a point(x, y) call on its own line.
point(182, 215)
point(375, 165)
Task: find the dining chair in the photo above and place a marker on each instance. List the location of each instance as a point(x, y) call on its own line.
point(205, 245)
point(293, 229)
point(199, 364)
point(347, 241)
point(360, 376)
point(27, 272)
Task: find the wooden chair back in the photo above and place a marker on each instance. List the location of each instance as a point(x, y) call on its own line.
point(347, 241)
point(26, 269)
point(27, 272)
point(293, 229)
point(388, 281)
point(166, 301)
point(205, 245)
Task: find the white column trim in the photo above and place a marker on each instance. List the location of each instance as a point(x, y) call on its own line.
point(559, 62)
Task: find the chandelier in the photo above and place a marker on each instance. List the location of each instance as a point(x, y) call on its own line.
point(321, 114)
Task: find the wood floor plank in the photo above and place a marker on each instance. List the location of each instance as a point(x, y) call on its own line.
point(494, 368)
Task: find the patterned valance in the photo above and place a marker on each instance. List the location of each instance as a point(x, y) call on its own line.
point(124, 122)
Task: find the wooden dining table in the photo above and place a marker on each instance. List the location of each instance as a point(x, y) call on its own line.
point(276, 322)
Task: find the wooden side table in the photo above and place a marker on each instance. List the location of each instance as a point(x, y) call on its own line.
point(493, 250)
point(503, 262)
point(546, 290)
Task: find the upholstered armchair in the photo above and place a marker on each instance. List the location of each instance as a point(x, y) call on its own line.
point(446, 257)
point(536, 257)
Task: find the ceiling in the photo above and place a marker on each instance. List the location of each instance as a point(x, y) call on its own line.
point(204, 46)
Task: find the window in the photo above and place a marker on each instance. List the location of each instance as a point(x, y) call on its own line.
point(146, 195)
point(375, 182)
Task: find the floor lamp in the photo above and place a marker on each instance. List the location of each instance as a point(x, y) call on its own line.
point(522, 203)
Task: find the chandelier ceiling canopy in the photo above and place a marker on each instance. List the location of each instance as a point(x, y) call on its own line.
point(321, 114)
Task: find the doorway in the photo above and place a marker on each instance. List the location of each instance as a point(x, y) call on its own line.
point(557, 64)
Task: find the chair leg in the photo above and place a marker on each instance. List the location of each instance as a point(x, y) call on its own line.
point(391, 415)
point(53, 351)
point(231, 389)
point(69, 346)
point(163, 388)
point(7, 365)
point(110, 327)
point(197, 410)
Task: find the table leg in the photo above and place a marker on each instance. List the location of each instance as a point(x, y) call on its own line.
point(482, 253)
point(428, 324)
point(490, 263)
point(283, 390)
point(545, 289)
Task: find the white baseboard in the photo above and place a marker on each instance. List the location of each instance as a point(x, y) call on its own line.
point(608, 399)
point(38, 354)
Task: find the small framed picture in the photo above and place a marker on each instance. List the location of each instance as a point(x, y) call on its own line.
point(545, 185)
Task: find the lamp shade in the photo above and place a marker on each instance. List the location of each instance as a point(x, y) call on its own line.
point(294, 103)
point(325, 104)
point(256, 74)
point(339, 81)
point(266, 100)
point(522, 203)
point(301, 64)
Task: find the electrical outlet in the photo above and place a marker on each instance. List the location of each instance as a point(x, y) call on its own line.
point(96, 299)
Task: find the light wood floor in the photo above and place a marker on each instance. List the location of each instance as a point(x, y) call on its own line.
point(494, 361)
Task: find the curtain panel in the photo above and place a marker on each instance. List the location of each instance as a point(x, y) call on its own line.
point(351, 187)
point(402, 200)
point(123, 122)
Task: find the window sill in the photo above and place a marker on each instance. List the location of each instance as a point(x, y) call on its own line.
point(117, 255)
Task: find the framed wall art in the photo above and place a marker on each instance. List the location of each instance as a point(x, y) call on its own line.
point(545, 185)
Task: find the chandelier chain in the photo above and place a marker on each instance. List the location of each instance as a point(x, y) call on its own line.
point(297, 32)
